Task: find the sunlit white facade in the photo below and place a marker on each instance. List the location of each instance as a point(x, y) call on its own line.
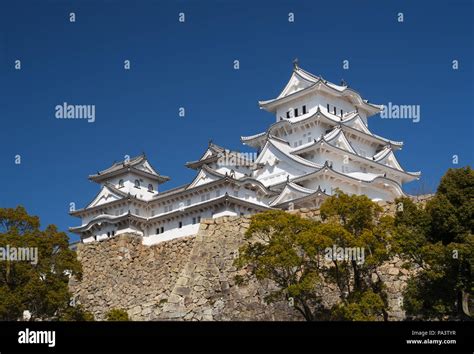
point(319, 142)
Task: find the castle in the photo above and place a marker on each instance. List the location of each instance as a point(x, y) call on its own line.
point(320, 142)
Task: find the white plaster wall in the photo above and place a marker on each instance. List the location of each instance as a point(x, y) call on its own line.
point(129, 185)
point(312, 101)
point(170, 234)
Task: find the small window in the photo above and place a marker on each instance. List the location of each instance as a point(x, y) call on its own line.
point(327, 106)
point(194, 221)
point(296, 112)
point(304, 109)
point(199, 218)
point(334, 110)
point(137, 183)
point(121, 183)
point(150, 187)
point(180, 225)
point(288, 114)
point(157, 230)
point(162, 229)
point(113, 233)
point(108, 234)
point(341, 113)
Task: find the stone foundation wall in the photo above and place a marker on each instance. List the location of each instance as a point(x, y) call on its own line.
point(123, 273)
point(206, 288)
point(192, 278)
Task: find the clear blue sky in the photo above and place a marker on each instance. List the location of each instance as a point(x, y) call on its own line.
point(191, 65)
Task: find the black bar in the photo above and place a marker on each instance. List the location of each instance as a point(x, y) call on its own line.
point(219, 337)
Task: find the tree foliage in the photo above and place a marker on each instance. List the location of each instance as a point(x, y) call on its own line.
point(292, 252)
point(355, 222)
point(438, 239)
point(117, 315)
point(40, 288)
point(285, 251)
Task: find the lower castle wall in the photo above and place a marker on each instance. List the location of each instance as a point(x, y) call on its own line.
point(192, 278)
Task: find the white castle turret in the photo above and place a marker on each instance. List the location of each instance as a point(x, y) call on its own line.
point(320, 142)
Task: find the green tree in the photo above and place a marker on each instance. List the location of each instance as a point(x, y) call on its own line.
point(355, 222)
point(117, 315)
point(439, 241)
point(76, 313)
point(292, 252)
point(40, 288)
point(283, 248)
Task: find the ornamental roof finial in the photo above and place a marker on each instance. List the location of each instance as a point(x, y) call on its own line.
point(295, 63)
point(210, 142)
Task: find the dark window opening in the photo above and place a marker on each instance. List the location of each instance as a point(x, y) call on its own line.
point(341, 112)
point(137, 183)
point(162, 229)
point(334, 110)
point(304, 109)
point(113, 233)
point(296, 112)
point(199, 219)
point(288, 114)
point(108, 234)
point(150, 187)
point(194, 221)
point(327, 106)
point(180, 224)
